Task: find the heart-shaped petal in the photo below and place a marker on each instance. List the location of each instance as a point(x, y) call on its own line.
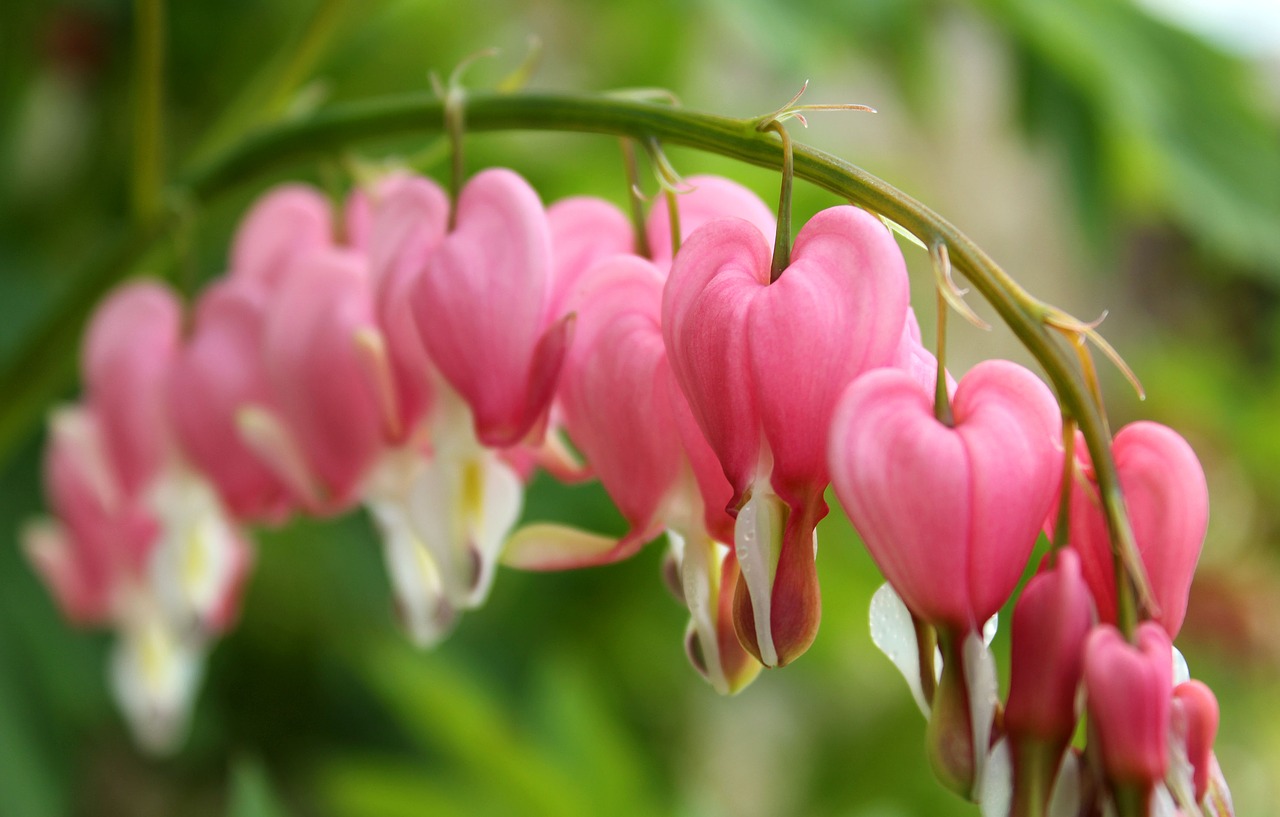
point(1168, 503)
point(483, 307)
point(615, 386)
point(837, 311)
point(317, 375)
point(950, 514)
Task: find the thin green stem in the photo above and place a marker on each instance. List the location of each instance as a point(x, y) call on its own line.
point(782, 239)
point(673, 219)
point(148, 110)
point(634, 199)
point(1062, 526)
point(373, 121)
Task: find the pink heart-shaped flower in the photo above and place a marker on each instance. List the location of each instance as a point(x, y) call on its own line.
point(763, 363)
point(950, 514)
point(1168, 503)
point(483, 308)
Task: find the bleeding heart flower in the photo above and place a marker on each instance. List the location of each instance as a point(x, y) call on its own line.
point(409, 219)
point(219, 373)
point(483, 308)
point(321, 382)
point(762, 365)
point(1051, 621)
point(1168, 503)
point(1129, 690)
point(949, 513)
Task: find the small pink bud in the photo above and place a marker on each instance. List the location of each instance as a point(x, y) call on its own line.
point(1129, 691)
point(1195, 723)
point(950, 514)
point(1051, 620)
point(1168, 502)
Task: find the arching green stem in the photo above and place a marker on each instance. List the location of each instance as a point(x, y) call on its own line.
point(376, 120)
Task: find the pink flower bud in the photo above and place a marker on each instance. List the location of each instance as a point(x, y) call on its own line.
point(1168, 502)
point(1129, 690)
point(1051, 620)
point(1195, 724)
point(950, 514)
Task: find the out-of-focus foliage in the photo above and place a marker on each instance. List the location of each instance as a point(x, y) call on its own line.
point(569, 694)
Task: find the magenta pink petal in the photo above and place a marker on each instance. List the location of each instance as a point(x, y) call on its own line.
point(614, 388)
point(708, 296)
point(584, 231)
point(317, 377)
point(950, 514)
point(482, 308)
point(409, 225)
point(837, 311)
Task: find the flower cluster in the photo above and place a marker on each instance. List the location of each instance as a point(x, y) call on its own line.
point(422, 357)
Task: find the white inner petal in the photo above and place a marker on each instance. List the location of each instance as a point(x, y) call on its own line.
point(995, 788)
point(197, 558)
point(984, 694)
point(757, 536)
point(154, 672)
point(894, 633)
point(700, 569)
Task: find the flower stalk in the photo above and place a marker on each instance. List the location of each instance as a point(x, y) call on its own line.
point(340, 127)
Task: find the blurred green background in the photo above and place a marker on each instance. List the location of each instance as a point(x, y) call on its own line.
point(1109, 160)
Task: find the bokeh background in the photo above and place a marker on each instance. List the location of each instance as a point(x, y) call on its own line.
point(1110, 156)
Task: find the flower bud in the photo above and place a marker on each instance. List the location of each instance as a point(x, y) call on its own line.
point(1195, 724)
point(1129, 692)
point(1050, 623)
